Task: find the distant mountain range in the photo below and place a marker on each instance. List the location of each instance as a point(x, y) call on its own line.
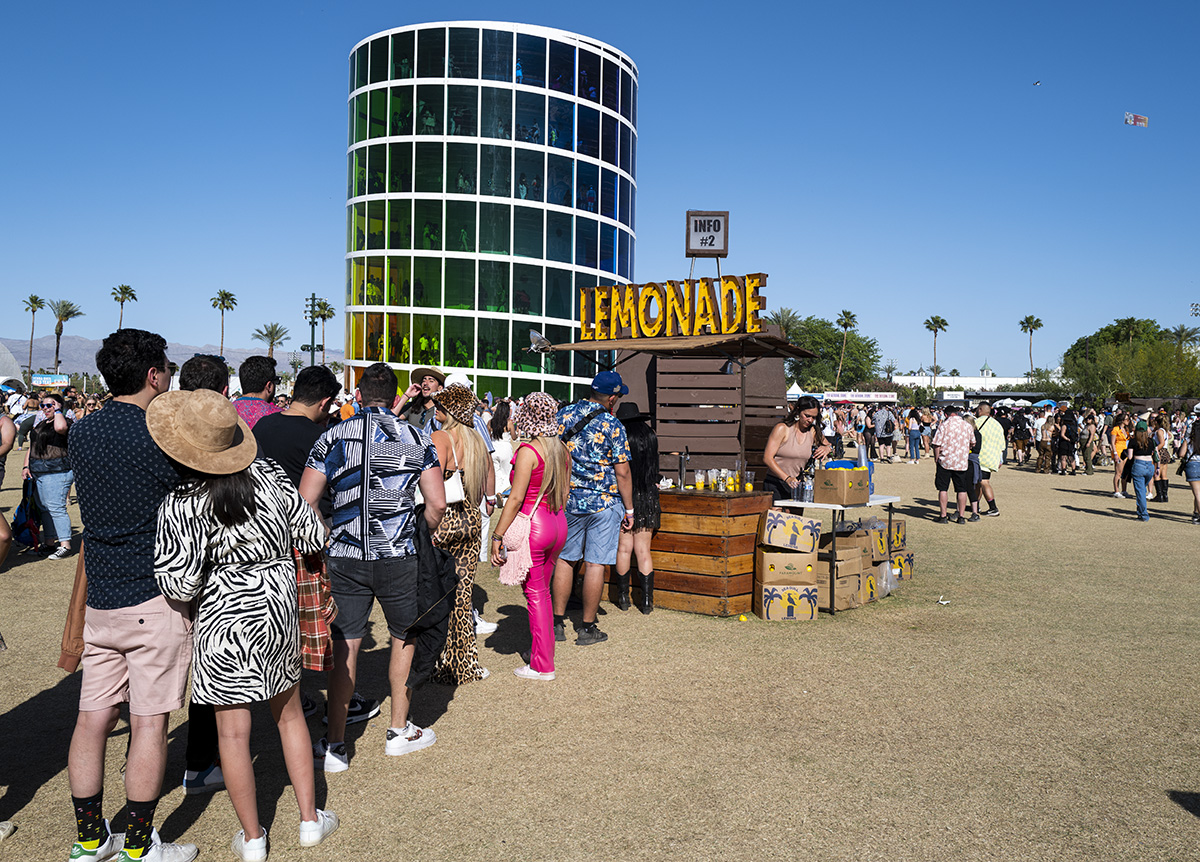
point(78, 355)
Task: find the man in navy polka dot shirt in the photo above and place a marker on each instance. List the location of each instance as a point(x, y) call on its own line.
point(137, 643)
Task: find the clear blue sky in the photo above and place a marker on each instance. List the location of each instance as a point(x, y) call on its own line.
point(893, 159)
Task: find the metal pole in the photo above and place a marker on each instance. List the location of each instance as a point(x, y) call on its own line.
point(312, 330)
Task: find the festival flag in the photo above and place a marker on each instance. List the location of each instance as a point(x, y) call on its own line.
point(1136, 120)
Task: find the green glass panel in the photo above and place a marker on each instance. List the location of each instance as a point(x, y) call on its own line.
point(399, 283)
point(459, 348)
point(378, 128)
point(373, 348)
point(360, 66)
point(493, 344)
point(464, 53)
point(558, 237)
point(400, 172)
point(427, 219)
point(353, 77)
point(494, 228)
point(559, 289)
point(349, 229)
point(530, 174)
point(558, 389)
point(527, 289)
point(427, 282)
point(376, 169)
point(431, 53)
point(460, 226)
point(379, 60)
point(401, 122)
point(559, 181)
point(350, 123)
point(495, 170)
point(497, 386)
point(460, 168)
point(359, 270)
point(375, 283)
point(430, 109)
point(493, 285)
point(495, 113)
point(399, 337)
point(463, 111)
point(497, 55)
point(360, 172)
point(360, 227)
point(400, 224)
point(528, 232)
point(429, 168)
point(360, 117)
point(427, 339)
point(402, 55)
point(460, 284)
point(522, 386)
point(376, 220)
point(558, 362)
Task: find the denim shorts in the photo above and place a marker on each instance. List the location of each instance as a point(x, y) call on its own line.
point(593, 537)
point(1192, 470)
point(356, 584)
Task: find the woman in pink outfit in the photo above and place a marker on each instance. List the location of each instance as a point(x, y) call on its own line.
point(541, 466)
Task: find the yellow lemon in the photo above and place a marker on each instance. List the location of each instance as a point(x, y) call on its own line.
point(741, 618)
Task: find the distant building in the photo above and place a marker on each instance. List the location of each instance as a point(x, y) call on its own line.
point(986, 379)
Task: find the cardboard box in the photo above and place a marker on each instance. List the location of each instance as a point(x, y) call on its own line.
point(879, 544)
point(785, 602)
point(905, 563)
point(844, 486)
point(785, 567)
point(868, 586)
point(861, 541)
point(793, 532)
point(847, 591)
point(849, 561)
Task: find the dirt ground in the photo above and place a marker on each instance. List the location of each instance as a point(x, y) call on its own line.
point(1047, 712)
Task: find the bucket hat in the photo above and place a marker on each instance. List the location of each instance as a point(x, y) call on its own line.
point(201, 430)
point(459, 402)
point(537, 416)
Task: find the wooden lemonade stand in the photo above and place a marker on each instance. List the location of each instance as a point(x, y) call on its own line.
point(711, 377)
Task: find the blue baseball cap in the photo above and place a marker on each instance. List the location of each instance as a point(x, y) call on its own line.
point(609, 383)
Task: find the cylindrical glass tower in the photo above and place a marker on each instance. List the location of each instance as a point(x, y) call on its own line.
point(490, 177)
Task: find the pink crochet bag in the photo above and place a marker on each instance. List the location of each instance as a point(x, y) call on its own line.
point(516, 543)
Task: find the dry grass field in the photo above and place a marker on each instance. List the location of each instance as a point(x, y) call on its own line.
point(1048, 712)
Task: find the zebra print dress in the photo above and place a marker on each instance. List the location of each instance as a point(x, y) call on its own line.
point(246, 632)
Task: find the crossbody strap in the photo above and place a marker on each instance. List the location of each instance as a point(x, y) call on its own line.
point(581, 424)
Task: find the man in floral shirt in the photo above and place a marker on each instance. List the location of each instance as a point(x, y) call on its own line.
point(600, 489)
point(951, 447)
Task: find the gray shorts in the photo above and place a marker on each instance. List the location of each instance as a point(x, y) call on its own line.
point(356, 584)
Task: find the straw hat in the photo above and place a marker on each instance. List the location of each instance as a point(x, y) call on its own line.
point(201, 430)
point(459, 402)
point(419, 374)
point(537, 416)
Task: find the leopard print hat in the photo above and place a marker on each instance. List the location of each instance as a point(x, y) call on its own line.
point(538, 416)
point(459, 402)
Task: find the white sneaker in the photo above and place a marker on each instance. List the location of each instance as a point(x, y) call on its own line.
point(6, 828)
point(313, 832)
point(159, 852)
point(408, 739)
point(484, 673)
point(250, 849)
point(1118, 495)
point(334, 757)
point(527, 672)
point(108, 849)
point(482, 626)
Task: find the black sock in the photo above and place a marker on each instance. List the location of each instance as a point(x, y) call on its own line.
point(992, 505)
point(560, 619)
point(89, 818)
point(139, 826)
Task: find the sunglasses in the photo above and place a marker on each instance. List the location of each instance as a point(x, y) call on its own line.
point(46, 404)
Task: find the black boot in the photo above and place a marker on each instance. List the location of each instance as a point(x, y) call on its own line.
point(1166, 486)
point(646, 604)
point(622, 584)
point(1157, 491)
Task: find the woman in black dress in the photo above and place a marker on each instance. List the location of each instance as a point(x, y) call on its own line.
point(643, 470)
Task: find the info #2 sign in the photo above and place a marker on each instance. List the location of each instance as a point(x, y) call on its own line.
point(708, 233)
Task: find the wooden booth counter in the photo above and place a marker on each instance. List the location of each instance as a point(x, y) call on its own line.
point(704, 551)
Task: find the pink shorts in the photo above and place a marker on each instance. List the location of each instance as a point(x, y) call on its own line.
point(140, 654)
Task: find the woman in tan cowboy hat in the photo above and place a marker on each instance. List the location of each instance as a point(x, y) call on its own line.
point(225, 537)
point(465, 460)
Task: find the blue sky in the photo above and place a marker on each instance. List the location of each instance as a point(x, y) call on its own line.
point(893, 159)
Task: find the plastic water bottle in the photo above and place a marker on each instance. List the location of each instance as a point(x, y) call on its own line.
point(808, 490)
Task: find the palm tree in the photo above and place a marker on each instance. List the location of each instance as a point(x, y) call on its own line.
point(846, 321)
point(123, 293)
point(272, 335)
point(890, 369)
point(1127, 326)
point(935, 325)
point(63, 310)
point(1030, 324)
point(1183, 335)
point(33, 305)
point(323, 312)
point(224, 301)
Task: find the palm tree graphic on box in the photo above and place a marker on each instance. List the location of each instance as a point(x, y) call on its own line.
point(770, 595)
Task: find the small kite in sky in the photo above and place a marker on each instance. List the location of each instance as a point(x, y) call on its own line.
point(1037, 83)
point(1136, 120)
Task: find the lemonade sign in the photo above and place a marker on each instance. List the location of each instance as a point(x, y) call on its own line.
point(704, 306)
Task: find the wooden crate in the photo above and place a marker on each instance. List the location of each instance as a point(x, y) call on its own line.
point(704, 551)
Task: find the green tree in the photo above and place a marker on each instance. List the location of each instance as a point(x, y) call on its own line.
point(63, 310)
point(123, 293)
point(1183, 335)
point(1127, 331)
point(1031, 324)
point(846, 321)
point(33, 305)
point(224, 301)
point(324, 311)
point(271, 335)
point(860, 360)
point(935, 325)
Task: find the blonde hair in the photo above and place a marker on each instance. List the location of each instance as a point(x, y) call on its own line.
point(472, 457)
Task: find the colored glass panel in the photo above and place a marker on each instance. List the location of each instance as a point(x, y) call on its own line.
point(528, 232)
point(497, 55)
point(608, 193)
point(376, 169)
point(399, 337)
point(360, 66)
point(427, 282)
point(608, 139)
point(361, 114)
point(493, 285)
point(399, 281)
point(401, 122)
point(379, 60)
point(459, 348)
point(400, 224)
point(530, 68)
point(460, 168)
point(402, 54)
point(376, 220)
point(625, 201)
point(589, 76)
point(610, 90)
point(464, 53)
point(378, 102)
point(588, 134)
point(560, 128)
point(427, 220)
point(360, 227)
point(562, 67)
point(558, 362)
point(559, 181)
point(428, 174)
point(431, 53)
point(558, 237)
point(460, 226)
point(495, 113)
point(497, 387)
point(530, 118)
point(527, 289)
point(493, 344)
point(462, 111)
point(374, 292)
point(495, 170)
point(373, 348)
point(530, 174)
point(560, 289)
point(608, 248)
point(427, 339)
point(400, 171)
point(460, 283)
point(587, 185)
point(494, 228)
point(585, 242)
point(430, 110)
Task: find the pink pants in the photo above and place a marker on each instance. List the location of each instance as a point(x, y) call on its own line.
point(547, 534)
